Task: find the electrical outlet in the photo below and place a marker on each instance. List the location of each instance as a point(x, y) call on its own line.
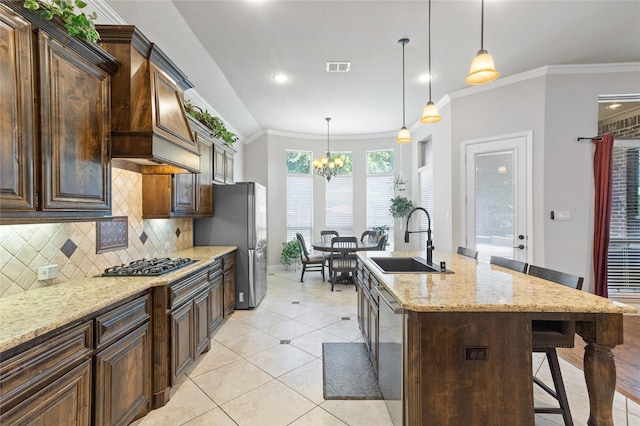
point(47, 272)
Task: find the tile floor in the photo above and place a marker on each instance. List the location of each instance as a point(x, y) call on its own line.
point(250, 378)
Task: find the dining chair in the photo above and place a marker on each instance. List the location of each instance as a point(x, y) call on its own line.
point(327, 235)
point(515, 265)
point(468, 252)
point(370, 236)
point(382, 242)
point(549, 335)
point(342, 260)
point(311, 262)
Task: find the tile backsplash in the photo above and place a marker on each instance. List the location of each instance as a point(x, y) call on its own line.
point(72, 246)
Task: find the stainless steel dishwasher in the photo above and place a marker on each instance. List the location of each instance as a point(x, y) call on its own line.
point(391, 331)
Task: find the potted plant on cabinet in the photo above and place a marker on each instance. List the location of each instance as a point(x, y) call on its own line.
point(76, 24)
point(215, 124)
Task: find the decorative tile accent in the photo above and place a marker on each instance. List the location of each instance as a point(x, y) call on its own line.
point(143, 237)
point(112, 234)
point(68, 248)
point(346, 318)
point(178, 232)
point(285, 342)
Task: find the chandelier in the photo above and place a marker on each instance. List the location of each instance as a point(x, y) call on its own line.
point(328, 166)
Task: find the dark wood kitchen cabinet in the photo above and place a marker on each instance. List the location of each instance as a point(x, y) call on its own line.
point(189, 319)
point(216, 296)
point(123, 363)
point(55, 133)
point(168, 194)
point(223, 164)
point(229, 283)
point(368, 310)
point(49, 381)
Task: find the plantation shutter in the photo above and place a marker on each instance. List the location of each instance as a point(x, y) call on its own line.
point(425, 179)
point(340, 204)
point(299, 206)
point(379, 195)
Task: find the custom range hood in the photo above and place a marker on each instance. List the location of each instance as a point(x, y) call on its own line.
point(148, 121)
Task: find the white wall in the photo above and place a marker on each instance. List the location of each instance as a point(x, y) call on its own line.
point(558, 105)
point(571, 111)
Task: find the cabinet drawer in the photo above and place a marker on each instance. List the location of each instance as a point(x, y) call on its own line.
point(229, 260)
point(215, 269)
point(184, 289)
point(33, 368)
point(119, 321)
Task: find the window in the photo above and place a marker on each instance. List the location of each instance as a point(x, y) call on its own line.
point(624, 237)
point(339, 199)
point(425, 182)
point(380, 191)
point(299, 195)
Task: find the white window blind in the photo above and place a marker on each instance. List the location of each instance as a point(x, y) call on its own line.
point(379, 195)
point(299, 195)
point(340, 204)
point(623, 260)
point(425, 179)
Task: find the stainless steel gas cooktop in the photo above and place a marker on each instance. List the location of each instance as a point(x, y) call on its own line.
point(148, 267)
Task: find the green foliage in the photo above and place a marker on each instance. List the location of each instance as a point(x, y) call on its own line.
point(76, 24)
point(400, 206)
point(214, 124)
point(347, 161)
point(381, 230)
point(380, 161)
point(290, 252)
point(299, 162)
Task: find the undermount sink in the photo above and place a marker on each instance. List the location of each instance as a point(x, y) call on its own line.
point(406, 265)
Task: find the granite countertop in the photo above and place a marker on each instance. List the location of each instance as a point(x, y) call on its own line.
point(36, 312)
point(478, 286)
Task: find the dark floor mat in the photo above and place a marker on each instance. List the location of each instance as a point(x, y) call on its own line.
point(347, 372)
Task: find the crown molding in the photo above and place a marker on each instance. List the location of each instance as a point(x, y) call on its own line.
point(106, 15)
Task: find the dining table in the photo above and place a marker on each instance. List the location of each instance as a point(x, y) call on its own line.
point(325, 247)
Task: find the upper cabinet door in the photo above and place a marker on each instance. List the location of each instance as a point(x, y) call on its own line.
point(75, 130)
point(17, 123)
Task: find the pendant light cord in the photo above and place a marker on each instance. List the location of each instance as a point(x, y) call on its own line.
point(430, 76)
point(403, 100)
point(328, 120)
point(482, 25)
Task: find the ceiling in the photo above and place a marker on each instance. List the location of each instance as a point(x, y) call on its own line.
point(231, 49)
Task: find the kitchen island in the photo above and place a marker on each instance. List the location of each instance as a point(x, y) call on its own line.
point(466, 340)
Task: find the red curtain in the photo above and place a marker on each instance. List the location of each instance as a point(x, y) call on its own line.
point(602, 166)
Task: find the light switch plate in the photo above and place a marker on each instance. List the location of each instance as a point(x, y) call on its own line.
point(562, 215)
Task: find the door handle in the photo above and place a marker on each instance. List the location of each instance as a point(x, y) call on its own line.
point(521, 247)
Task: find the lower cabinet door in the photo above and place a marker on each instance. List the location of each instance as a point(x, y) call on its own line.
point(123, 379)
point(182, 340)
point(229, 291)
point(216, 303)
point(201, 326)
point(66, 401)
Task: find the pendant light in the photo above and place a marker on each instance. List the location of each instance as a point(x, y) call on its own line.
point(430, 112)
point(327, 166)
point(404, 136)
point(482, 69)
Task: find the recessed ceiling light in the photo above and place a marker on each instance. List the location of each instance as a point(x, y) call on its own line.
point(280, 78)
point(614, 106)
point(423, 78)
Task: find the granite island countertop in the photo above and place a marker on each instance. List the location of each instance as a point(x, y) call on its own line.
point(33, 313)
point(476, 286)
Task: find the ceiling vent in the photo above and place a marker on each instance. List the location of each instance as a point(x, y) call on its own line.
point(333, 66)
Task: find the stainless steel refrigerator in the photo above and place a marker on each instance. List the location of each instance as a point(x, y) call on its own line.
point(240, 219)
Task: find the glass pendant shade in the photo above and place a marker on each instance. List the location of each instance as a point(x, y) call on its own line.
point(430, 113)
point(482, 69)
point(404, 136)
